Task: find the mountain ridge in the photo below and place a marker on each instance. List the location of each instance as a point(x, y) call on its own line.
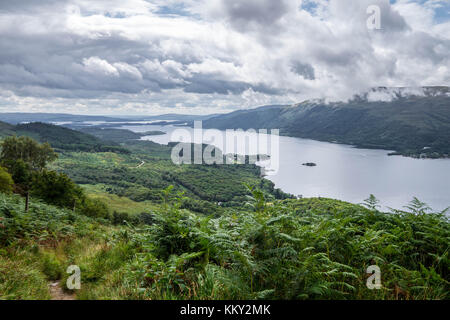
point(417, 126)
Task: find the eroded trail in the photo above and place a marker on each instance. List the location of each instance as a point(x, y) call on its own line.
point(142, 163)
point(57, 293)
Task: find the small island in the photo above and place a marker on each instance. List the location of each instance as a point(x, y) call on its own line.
point(309, 164)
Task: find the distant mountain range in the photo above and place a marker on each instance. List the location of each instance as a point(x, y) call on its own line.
point(16, 118)
point(413, 122)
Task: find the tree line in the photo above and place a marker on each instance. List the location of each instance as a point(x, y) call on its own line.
point(23, 170)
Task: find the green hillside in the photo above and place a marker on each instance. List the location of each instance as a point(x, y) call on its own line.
point(411, 126)
point(141, 170)
point(117, 135)
point(293, 249)
point(61, 138)
point(32, 246)
point(6, 129)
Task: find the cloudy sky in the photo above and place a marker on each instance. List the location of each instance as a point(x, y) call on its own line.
point(209, 56)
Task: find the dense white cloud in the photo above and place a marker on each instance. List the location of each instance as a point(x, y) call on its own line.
point(207, 56)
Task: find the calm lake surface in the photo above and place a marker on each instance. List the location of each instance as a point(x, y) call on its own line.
point(346, 173)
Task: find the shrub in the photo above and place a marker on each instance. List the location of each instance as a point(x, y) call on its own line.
point(41, 223)
point(51, 266)
point(56, 189)
point(123, 218)
point(93, 208)
point(6, 182)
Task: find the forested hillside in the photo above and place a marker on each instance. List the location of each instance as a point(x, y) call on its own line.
point(144, 173)
point(6, 129)
point(61, 138)
point(412, 125)
point(142, 169)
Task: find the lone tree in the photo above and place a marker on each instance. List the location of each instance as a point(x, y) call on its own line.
point(24, 157)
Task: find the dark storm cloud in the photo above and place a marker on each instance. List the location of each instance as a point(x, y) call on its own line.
point(208, 84)
point(340, 57)
point(204, 85)
point(304, 69)
point(244, 14)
